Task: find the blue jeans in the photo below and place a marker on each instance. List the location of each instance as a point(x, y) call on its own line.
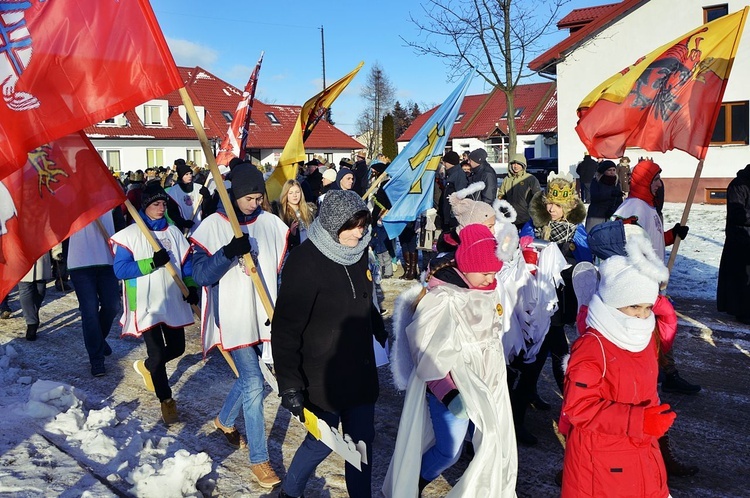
point(450, 432)
point(31, 295)
point(247, 392)
point(359, 423)
point(98, 293)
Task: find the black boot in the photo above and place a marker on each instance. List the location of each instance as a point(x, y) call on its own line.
point(407, 267)
point(675, 468)
point(673, 383)
point(284, 495)
point(31, 331)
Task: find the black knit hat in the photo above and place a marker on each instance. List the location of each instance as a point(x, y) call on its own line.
point(605, 165)
point(451, 157)
point(182, 169)
point(478, 155)
point(152, 192)
point(246, 179)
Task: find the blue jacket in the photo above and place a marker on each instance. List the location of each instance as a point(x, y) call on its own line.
point(126, 267)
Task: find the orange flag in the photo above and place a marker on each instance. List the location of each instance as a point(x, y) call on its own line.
point(62, 187)
point(294, 150)
point(65, 65)
point(668, 99)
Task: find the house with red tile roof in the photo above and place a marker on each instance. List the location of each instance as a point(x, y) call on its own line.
point(605, 39)
point(159, 131)
point(482, 122)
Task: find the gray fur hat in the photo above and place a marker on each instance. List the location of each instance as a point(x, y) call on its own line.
point(338, 206)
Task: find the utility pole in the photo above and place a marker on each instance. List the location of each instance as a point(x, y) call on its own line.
point(323, 50)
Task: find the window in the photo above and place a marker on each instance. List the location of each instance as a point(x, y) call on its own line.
point(517, 113)
point(109, 121)
point(227, 115)
point(195, 155)
point(460, 116)
point(272, 118)
point(714, 12)
point(732, 124)
point(187, 120)
point(111, 158)
point(154, 157)
point(152, 114)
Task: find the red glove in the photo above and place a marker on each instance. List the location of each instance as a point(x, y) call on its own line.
point(657, 420)
point(666, 321)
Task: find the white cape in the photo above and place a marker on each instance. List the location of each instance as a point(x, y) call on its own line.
point(458, 331)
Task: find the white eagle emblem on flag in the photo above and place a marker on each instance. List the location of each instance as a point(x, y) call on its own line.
point(15, 53)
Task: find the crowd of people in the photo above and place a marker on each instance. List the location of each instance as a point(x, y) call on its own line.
point(503, 270)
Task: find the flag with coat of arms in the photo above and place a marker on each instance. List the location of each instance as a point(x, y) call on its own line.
point(668, 99)
point(412, 172)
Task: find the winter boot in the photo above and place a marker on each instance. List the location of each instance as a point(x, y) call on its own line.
point(264, 475)
point(675, 468)
point(169, 411)
point(673, 383)
point(31, 331)
point(406, 267)
point(422, 484)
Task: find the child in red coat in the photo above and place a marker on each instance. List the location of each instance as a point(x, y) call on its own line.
point(612, 416)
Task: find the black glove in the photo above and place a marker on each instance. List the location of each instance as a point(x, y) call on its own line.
point(187, 224)
point(193, 297)
point(294, 401)
point(205, 193)
point(680, 231)
point(160, 258)
point(237, 247)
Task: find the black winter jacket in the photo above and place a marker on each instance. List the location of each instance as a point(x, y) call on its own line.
point(322, 331)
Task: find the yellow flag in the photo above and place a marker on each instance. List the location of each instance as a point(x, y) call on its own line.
point(294, 150)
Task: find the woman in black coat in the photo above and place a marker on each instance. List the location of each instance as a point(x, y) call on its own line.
point(606, 194)
point(733, 291)
point(322, 333)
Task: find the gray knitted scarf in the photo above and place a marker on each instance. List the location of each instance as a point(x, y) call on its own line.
point(332, 249)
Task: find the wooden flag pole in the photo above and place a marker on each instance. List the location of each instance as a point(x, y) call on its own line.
point(224, 195)
point(172, 270)
point(374, 185)
point(685, 213)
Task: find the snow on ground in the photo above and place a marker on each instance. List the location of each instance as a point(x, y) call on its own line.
point(56, 442)
point(45, 416)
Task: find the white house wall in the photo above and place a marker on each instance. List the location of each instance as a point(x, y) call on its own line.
point(133, 151)
point(655, 23)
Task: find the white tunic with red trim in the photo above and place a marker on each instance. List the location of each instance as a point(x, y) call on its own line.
point(242, 319)
point(187, 203)
point(158, 299)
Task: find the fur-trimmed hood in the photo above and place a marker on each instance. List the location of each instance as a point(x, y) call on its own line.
point(540, 217)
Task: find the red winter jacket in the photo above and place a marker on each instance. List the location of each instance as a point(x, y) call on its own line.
point(607, 390)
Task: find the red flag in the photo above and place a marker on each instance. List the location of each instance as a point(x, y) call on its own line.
point(668, 99)
point(63, 187)
point(65, 65)
point(235, 141)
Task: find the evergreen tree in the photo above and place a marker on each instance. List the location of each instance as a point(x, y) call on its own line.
point(390, 149)
point(401, 119)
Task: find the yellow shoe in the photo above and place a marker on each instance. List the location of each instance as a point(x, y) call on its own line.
point(169, 411)
point(140, 367)
point(264, 474)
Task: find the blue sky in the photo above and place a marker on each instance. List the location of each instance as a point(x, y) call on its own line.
point(227, 36)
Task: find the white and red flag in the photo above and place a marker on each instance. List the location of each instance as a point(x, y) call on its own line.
point(67, 64)
point(63, 186)
point(235, 141)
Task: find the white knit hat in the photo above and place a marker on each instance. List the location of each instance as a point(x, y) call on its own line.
point(634, 279)
point(468, 211)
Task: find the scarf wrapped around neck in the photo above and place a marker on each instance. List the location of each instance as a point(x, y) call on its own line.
point(626, 332)
point(332, 249)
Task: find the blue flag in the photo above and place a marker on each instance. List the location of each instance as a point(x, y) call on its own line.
point(412, 172)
